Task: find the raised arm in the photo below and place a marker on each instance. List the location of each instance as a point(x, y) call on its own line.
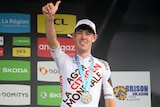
point(49, 10)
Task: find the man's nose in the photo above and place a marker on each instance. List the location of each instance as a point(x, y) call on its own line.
point(84, 35)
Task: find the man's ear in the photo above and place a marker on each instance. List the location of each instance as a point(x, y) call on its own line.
point(95, 37)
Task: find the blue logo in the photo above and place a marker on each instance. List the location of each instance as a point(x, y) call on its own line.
point(14, 23)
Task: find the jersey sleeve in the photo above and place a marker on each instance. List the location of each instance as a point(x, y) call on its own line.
point(59, 57)
point(107, 82)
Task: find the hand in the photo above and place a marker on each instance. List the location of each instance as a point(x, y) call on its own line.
point(50, 9)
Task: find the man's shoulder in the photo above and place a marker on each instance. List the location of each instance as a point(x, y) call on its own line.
point(104, 62)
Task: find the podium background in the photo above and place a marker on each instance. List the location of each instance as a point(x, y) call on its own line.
point(129, 35)
point(130, 91)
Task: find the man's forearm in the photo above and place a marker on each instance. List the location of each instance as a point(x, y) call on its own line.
point(110, 103)
point(51, 33)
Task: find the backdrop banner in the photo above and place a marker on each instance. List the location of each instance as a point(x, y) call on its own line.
point(132, 88)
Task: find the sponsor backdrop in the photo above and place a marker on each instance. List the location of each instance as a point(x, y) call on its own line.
point(22, 65)
point(28, 74)
point(130, 89)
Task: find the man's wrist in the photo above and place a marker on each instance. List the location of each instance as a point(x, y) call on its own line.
point(50, 18)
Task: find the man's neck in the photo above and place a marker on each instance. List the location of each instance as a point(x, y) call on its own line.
point(83, 54)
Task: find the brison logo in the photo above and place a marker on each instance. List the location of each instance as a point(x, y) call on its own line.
point(47, 71)
point(18, 70)
point(130, 92)
point(49, 95)
point(67, 45)
point(15, 94)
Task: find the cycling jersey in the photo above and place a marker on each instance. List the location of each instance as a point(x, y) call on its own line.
point(71, 82)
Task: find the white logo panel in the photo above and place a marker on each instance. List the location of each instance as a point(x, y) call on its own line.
point(15, 94)
point(1, 40)
point(47, 71)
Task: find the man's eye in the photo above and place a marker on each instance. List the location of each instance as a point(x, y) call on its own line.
point(88, 34)
point(79, 32)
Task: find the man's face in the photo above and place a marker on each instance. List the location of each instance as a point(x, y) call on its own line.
point(84, 39)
